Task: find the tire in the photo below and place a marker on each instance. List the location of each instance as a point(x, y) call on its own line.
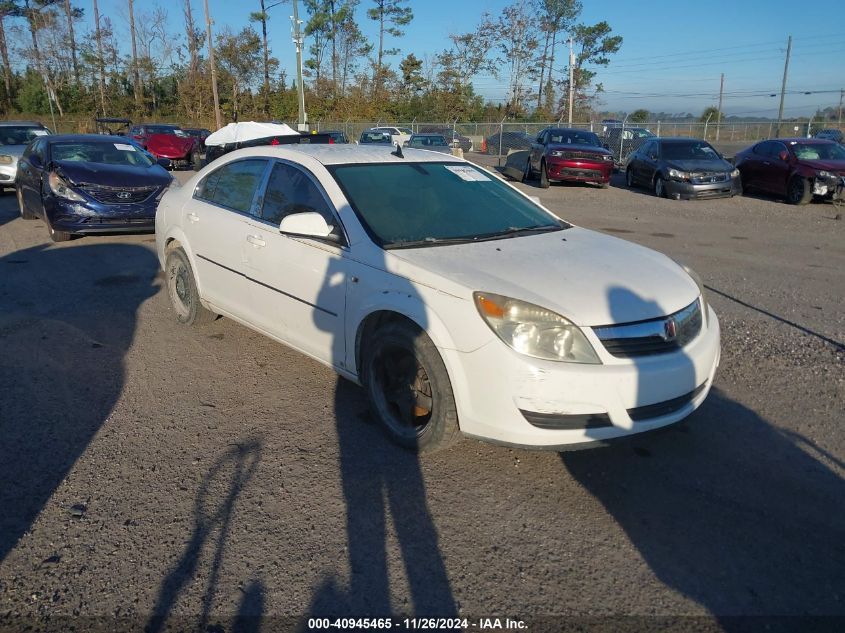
point(196, 161)
point(182, 290)
point(544, 176)
point(26, 214)
point(59, 236)
point(659, 187)
point(408, 387)
point(629, 178)
point(526, 173)
point(799, 191)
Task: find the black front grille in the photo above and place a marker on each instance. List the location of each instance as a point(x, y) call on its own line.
point(654, 336)
point(583, 156)
point(658, 409)
point(120, 195)
point(580, 173)
point(567, 421)
point(704, 178)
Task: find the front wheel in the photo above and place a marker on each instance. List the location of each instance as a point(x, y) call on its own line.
point(544, 176)
point(182, 290)
point(196, 161)
point(408, 387)
point(799, 191)
point(659, 187)
point(526, 173)
point(629, 178)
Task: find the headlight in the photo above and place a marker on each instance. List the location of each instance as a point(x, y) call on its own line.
point(678, 175)
point(700, 285)
point(534, 331)
point(5, 159)
point(556, 153)
point(61, 189)
point(819, 174)
point(607, 157)
point(735, 173)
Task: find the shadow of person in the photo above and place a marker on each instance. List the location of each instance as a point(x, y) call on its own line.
point(251, 609)
point(67, 319)
point(213, 511)
point(380, 481)
point(730, 512)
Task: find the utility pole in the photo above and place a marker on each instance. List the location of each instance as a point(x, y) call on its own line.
point(302, 121)
point(841, 95)
point(218, 119)
point(571, 81)
point(783, 85)
point(719, 111)
point(100, 60)
point(136, 75)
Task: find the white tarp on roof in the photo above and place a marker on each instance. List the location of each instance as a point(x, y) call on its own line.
point(247, 131)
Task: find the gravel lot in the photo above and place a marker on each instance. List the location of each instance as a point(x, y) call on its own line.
point(177, 478)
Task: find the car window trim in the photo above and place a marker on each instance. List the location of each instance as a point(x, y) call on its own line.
point(249, 213)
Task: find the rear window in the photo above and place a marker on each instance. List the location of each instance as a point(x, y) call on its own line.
point(20, 134)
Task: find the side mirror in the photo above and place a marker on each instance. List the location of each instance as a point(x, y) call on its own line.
point(306, 224)
point(605, 145)
point(784, 155)
point(164, 162)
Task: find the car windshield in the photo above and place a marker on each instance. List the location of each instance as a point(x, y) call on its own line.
point(692, 150)
point(20, 134)
point(573, 137)
point(103, 153)
point(818, 151)
point(404, 130)
point(406, 205)
point(641, 134)
point(165, 129)
point(428, 141)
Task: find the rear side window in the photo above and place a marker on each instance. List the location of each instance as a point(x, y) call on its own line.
point(290, 190)
point(234, 185)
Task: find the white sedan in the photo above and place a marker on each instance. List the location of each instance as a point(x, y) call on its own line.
point(457, 302)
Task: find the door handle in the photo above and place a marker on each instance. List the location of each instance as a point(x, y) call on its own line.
point(193, 217)
point(256, 240)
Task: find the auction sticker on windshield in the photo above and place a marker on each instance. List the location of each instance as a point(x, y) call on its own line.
point(469, 174)
point(124, 147)
point(40, 132)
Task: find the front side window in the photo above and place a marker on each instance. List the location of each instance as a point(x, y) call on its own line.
point(289, 191)
point(420, 204)
point(689, 150)
point(233, 185)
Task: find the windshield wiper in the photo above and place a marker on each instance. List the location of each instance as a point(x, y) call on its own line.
point(498, 235)
point(514, 231)
point(428, 241)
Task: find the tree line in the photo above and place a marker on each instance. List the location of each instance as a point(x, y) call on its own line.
point(132, 64)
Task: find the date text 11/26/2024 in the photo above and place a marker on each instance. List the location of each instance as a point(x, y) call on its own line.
point(418, 624)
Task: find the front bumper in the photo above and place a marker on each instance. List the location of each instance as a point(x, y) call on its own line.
point(579, 170)
point(8, 173)
point(512, 399)
point(86, 219)
point(689, 191)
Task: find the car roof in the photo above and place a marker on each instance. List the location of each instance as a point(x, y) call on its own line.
point(344, 154)
point(426, 134)
point(678, 139)
point(801, 139)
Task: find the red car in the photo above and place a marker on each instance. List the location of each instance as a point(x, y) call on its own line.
point(169, 141)
point(569, 154)
point(795, 168)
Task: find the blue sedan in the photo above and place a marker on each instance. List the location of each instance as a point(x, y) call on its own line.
point(83, 184)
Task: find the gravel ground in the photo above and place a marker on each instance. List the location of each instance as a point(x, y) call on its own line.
point(169, 478)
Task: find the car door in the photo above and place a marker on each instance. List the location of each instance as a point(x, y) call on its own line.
point(215, 221)
point(300, 282)
point(635, 163)
point(649, 163)
point(31, 169)
point(774, 170)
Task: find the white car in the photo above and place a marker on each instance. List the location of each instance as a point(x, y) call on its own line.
point(399, 134)
point(457, 302)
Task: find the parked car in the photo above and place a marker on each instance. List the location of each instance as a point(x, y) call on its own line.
point(682, 168)
point(451, 135)
point(501, 144)
point(398, 134)
point(254, 133)
point(199, 133)
point(335, 136)
point(459, 304)
point(622, 142)
point(171, 142)
point(795, 168)
point(112, 126)
point(375, 137)
point(82, 184)
point(831, 134)
point(565, 154)
point(14, 137)
point(432, 142)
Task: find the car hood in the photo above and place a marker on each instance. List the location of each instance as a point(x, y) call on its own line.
point(82, 173)
point(12, 150)
point(588, 277)
point(577, 148)
point(827, 165)
point(700, 165)
point(170, 145)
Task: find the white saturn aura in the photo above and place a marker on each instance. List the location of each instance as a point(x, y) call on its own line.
point(461, 306)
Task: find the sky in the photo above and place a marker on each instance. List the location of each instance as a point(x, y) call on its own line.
point(671, 57)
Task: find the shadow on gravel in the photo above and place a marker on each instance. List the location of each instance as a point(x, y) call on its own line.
point(729, 511)
point(8, 206)
point(213, 510)
point(63, 338)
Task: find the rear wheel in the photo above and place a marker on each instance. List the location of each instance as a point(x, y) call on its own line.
point(799, 191)
point(544, 176)
point(659, 187)
point(408, 387)
point(196, 160)
point(26, 214)
point(182, 289)
point(526, 173)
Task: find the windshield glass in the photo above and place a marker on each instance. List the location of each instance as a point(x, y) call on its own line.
point(573, 137)
point(818, 151)
point(19, 134)
point(692, 150)
point(164, 129)
point(404, 130)
point(428, 141)
point(404, 204)
point(102, 153)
